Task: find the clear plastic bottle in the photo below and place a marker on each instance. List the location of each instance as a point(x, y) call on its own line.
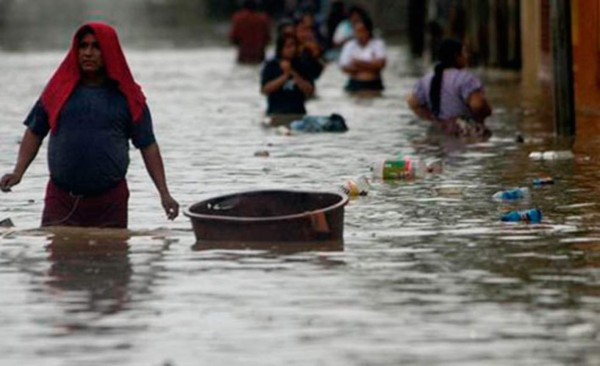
point(533, 216)
point(558, 155)
point(551, 155)
point(511, 194)
point(359, 186)
point(405, 167)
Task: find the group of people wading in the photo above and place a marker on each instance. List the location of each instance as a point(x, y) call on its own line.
point(302, 51)
point(450, 97)
point(92, 107)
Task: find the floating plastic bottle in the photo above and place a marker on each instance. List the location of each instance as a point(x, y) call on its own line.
point(543, 181)
point(512, 194)
point(405, 167)
point(551, 155)
point(532, 215)
point(356, 187)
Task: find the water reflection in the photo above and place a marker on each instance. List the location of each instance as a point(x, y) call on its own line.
point(281, 248)
point(92, 269)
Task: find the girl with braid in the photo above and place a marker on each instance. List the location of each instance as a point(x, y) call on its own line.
point(451, 97)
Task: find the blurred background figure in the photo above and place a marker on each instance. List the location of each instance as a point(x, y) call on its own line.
point(310, 51)
point(286, 28)
point(344, 31)
point(251, 32)
point(450, 96)
point(306, 17)
point(363, 59)
point(337, 14)
point(284, 84)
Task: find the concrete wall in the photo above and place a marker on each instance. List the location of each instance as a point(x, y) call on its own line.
point(531, 41)
point(586, 55)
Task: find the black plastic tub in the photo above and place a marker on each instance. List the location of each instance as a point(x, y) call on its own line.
point(270, 216)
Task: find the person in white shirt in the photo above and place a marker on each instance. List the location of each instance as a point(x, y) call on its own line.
point(363, 59)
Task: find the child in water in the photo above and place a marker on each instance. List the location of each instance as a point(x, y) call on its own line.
point(451, 97)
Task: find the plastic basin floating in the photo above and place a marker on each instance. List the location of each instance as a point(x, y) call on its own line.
point(270, 216)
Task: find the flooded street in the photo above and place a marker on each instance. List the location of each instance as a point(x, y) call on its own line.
point(428, 274)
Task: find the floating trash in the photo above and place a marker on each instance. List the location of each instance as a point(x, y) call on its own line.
point(262, 154)
point(551, 155)
point(511, 194)
point(533, 216)
point(7, 223)
point(356, 187)
point(543, 181)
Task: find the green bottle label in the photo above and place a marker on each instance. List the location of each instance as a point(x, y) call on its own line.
point(396, 169)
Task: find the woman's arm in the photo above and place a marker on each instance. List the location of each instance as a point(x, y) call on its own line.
point(420, 110)
point(278, 83)
point(479, 106)
point(154, 166)
point(350, 69)
point(274, 85)
point(304, 85)
point(370, 66)
point(28, 150)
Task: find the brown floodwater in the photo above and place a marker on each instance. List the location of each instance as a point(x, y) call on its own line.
point(427, 274)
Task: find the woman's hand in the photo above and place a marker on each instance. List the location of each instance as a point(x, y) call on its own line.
point(170, 206)
point(479, 106)
point(420, 110)
point(286, 67)
point(8, 181)
point(313, 48)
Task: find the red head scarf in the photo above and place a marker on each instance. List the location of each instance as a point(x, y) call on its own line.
point(66, 77)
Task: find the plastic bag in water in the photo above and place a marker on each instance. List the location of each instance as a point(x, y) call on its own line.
point(332, 123)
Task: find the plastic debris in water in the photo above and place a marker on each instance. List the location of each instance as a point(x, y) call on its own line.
point(406, 167)
point(7, 223)
point(533, 216)
point(262, 154)
point(542, 181)
point(356, 187)
point(551, 155)
point(512, 194)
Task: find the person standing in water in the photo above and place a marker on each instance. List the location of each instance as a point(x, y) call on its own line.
point(285, 84)
point(251, 32)
point(450, 96)
point(91, 107)
point(364, 59)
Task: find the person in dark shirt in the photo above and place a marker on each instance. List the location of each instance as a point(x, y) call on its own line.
point(309, 50)
point(250, 31)
point(337, 14)
point(285, 83)
point(91, 108)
